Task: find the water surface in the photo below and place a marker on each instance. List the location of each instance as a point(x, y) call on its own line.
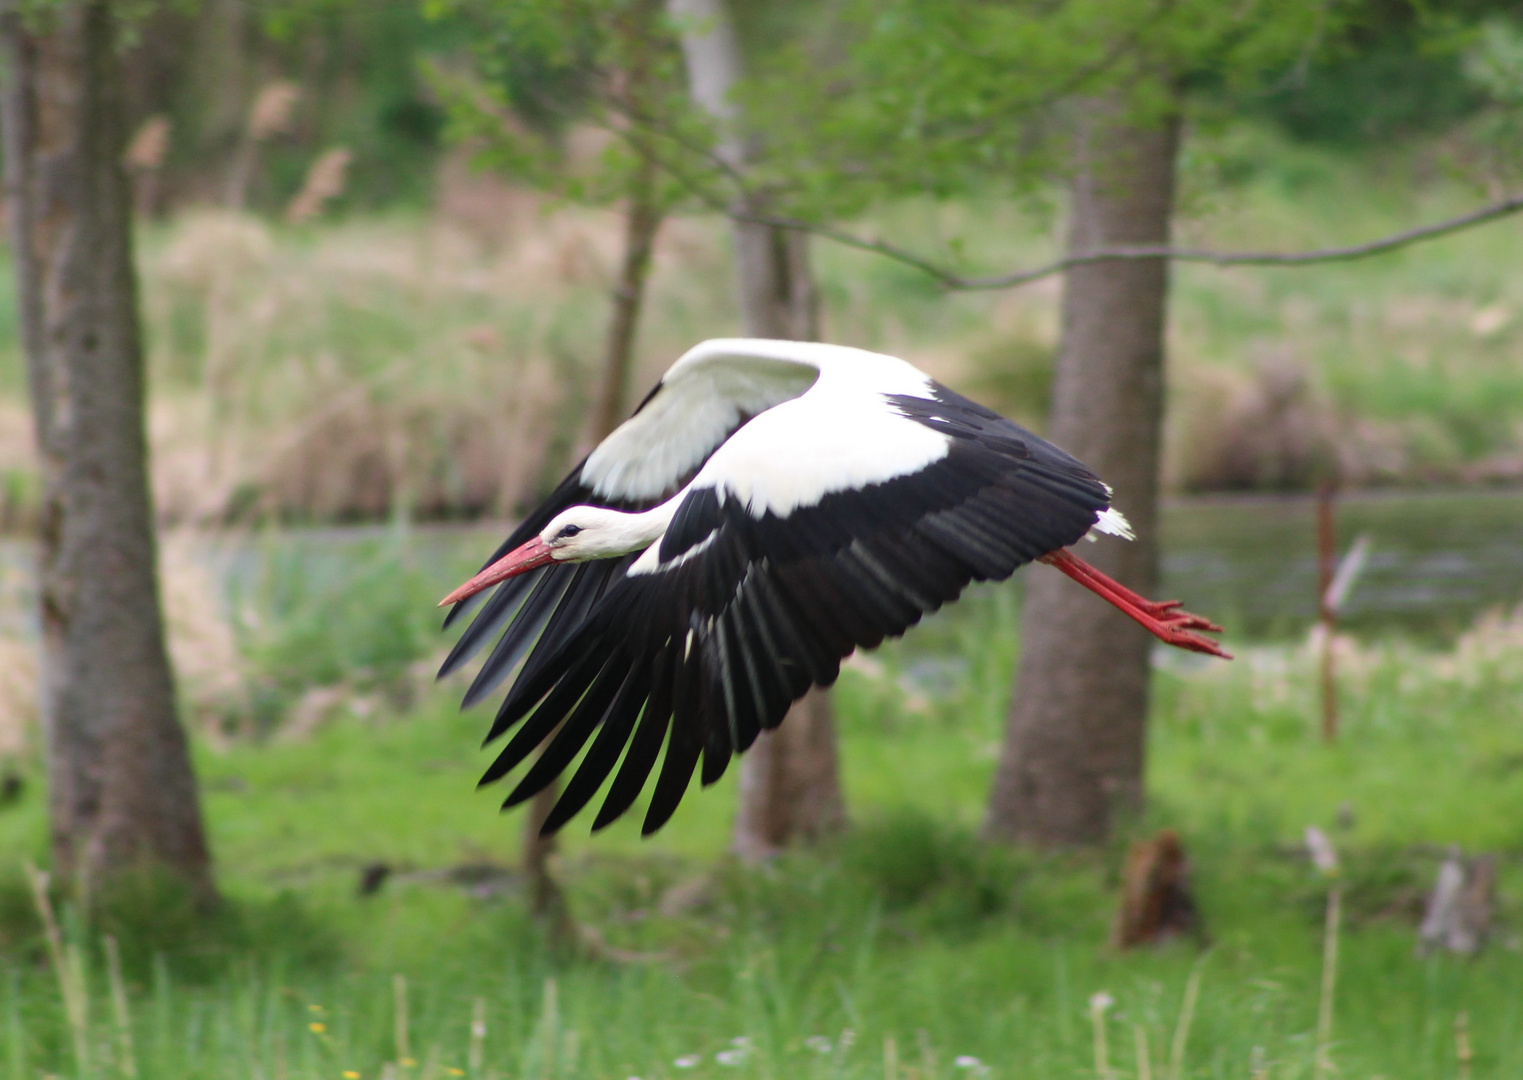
point(1437, 561)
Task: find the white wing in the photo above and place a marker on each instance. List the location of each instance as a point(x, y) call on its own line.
point(700, 402)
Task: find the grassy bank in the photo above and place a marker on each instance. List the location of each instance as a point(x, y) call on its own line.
point(907, 933)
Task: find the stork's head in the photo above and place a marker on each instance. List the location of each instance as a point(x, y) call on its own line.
point(592, 532)
point(575, 535)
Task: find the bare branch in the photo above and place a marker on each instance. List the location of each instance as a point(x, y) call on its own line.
point(950, 279)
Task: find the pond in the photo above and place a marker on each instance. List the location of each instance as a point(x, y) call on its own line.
point(1436, 563)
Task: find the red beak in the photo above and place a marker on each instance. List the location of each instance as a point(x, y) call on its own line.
point(520, 560)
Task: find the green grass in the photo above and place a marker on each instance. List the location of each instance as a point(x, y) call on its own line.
point(907, 929)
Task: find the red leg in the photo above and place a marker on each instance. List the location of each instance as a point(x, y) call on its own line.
point(1117, 593)
point(1162, 618)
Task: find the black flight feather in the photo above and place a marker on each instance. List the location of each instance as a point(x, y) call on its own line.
point(601, 757)
point(574, 731)
point(645, 746)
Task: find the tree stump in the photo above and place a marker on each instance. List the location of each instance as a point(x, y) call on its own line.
point(1156, 903)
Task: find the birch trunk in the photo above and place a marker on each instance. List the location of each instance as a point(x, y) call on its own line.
point(790, 783)
point(1073, 752)
point(121, 789)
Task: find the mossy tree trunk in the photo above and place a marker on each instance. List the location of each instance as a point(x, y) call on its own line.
point(122, 792)
point(1073, 751)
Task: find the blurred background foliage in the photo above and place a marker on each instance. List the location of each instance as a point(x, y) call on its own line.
point(355, 69)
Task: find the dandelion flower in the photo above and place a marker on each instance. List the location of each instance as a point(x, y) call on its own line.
point(818, 1043)
point(350, 1074)
point(317, 1028)
point(454, 1071)
point(687, 1061)
point(408, 1063)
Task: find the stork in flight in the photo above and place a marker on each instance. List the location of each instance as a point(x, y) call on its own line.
point(770, 507)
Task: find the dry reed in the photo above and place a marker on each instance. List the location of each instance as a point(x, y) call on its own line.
point(68, 966)
point(1186, 1020)
point(1143, 1054)
point(1323, 1063)
point(324, 183)
point(399, 1020)
point(126, 1060)
point(367, 374)
point(272, 111)
point(145, 153)
point(1099, 1005)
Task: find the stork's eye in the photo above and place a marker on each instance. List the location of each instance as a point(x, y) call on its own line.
point(568, 531)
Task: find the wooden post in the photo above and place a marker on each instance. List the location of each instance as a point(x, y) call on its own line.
point(1326, 616)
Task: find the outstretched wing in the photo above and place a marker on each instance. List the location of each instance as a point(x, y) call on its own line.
point(709, 393)
point(711, 636)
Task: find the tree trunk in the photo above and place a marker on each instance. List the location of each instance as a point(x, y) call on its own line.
point(122, 793)
point(774, 284)
point(790, 783)
point(1073, 752)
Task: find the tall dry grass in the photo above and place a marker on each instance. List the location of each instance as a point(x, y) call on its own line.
point(364, 371)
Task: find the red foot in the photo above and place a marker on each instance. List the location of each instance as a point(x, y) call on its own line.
point(1163, 618)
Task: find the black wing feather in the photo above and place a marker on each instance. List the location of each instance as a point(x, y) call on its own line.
point(574, 731)
point(604, 752)
point(554, 708)
point(684, 744)
point(519, 638)
point(645, 747)
point(505, 603)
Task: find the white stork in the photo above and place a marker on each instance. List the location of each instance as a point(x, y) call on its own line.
point(770, 507)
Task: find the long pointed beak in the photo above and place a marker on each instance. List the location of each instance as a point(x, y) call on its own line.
point(520, 560)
